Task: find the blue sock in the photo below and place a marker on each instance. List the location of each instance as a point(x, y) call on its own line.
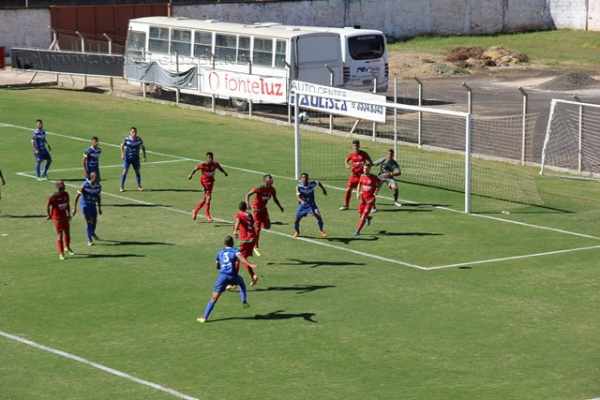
point(90, 231)
point(243, 292)
point(123, 178)
point(208, 309)
point(138, 178)
point(320, 222)
point(297, 224)
point(48, 163)
point(94, 228)
point(38, 165)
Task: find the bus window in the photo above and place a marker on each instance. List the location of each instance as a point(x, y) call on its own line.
point(280, 53)
point(243, 55)
point(203, 44)
point(225, 47)
point(181, 42)
point(263, 52)
point(366, 47)
point(136, 43)
point(159, 40)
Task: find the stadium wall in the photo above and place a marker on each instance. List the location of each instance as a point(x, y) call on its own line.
point(25, 28)
point(405, 18)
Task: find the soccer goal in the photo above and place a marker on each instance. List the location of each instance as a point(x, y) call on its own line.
point(435, 146)
point(323, 155)
point(572, 141)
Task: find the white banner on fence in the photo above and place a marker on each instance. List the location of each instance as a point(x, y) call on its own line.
point(244, 86)
point(330, 100)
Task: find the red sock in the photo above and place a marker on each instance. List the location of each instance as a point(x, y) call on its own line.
point(67, 239)
point(361, 222)
point(207, 209)
point(347, 196)
point(257, 237)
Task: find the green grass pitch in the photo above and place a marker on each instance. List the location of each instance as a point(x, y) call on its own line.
point(332, 318)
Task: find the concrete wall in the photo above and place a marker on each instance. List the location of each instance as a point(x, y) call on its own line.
point(25, 28)
point(397, 18)
point(569, 13)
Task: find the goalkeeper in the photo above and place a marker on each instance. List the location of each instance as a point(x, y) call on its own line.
point(389, 169)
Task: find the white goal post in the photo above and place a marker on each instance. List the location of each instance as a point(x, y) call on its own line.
point(461, 120)
point(572, 140)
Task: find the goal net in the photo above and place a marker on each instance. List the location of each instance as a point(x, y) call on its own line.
point(435, 147)
point(572, 141)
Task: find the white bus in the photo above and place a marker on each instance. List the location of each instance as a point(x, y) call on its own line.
point(356, 57)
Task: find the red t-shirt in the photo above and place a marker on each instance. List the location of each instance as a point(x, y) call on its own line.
point(246, 226)
point(357, 161)
point(262, 197)
point(208, 170)
point(60, 204)
point(368, 185)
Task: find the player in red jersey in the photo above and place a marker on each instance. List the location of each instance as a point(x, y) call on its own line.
point(368, 187)
point(244, 229)
point(355, 161)
point(59, 211)
point(207, 180)
point(260, 212)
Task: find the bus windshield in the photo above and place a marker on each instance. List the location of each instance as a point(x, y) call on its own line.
point(366, 47)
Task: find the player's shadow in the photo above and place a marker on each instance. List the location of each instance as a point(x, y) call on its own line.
point(315, 264)
point(133, 243)
point(279, 223)
point(386, 233)
point(174, 190)
point(72, 179)
point(278, 315)
point(24, 216)
point(348, 240)
point(124, 255)
point(299, 289)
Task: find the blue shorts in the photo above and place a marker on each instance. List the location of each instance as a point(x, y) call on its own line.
point(89, 211)
point(43, 155)
point(304, 210)
point(134, 162)
point(223, 280)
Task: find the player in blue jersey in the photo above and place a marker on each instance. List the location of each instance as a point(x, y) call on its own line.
point(307, 204)
point(91, 159)
point(41, 150)
point(130, 154)
point(91, 205)
point(228, 263)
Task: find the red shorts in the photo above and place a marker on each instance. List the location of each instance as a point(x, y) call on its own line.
point(367, 202)
point(246, 249)
point(207, 186)
point(61, 225)
point(261, 218)
point(353, 181)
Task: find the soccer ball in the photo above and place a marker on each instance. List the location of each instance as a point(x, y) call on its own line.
point(303, 117)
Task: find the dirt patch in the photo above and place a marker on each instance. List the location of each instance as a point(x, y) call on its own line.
point(479, 58)
point(422, 65)
point(571, 81)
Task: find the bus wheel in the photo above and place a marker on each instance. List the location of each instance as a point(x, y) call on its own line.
point(239, 104)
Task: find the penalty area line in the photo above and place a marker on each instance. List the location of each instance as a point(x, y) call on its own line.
point(96, 365)
point(307, 240)
point(251, 171)
point(522, 257)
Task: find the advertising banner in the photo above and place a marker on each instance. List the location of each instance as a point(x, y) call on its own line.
point(67, 62)
point(244, 86)
point(331, 100)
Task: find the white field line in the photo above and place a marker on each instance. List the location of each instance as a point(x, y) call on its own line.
point(250, 171)
point(96, 365)
point(496, 260)
point(307, 240)
point(80, 168)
